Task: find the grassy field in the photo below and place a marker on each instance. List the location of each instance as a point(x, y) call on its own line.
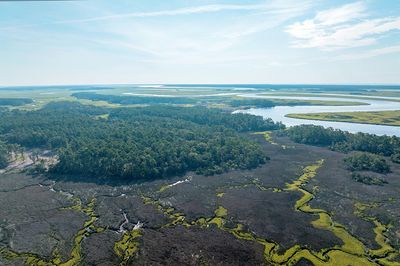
point(283, 102)
point(389, 118)
point(213, 97)
point(43, 97)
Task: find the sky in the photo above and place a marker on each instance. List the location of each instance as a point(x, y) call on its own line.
point(199, 41)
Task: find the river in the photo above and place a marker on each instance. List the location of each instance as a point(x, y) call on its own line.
point(279, 113)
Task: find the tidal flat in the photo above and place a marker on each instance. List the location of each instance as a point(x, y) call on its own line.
point(309, 212)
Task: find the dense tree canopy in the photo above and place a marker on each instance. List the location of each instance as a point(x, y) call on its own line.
point(3, 155)
point(316, 135)
point(267, 103)
point(368, 179)
point(263, 103)
point(362, 161)
point(137, 143)
point(344, 141)
point(396, 157)
point(203, 116)
point(15, 101)
point(126, 99)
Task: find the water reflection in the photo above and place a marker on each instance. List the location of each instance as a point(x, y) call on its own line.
point(279, 113)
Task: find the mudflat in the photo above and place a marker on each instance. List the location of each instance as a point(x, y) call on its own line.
point(301, 207)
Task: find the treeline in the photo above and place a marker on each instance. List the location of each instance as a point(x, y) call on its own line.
point(262, 103)
point(158, 152)
point(265, 103)
point(15, 101)
point(118, 99)
point(362, 161)
point(137, 143)
point(3, 155)
point(368, 179)
point(344, 141)
point(203, 116)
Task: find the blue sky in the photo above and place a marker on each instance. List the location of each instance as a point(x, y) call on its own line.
point(181, 41)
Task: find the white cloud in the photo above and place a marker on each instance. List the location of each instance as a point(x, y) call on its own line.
point(197, 41)
point(174, 12)
point(341, 14)
point(369, 54)
point(276, 13)
point(343, 27)
point(161, 13)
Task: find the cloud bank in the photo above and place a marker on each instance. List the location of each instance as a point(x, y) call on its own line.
point(344, 27)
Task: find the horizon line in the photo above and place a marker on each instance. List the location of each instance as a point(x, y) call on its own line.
point(209, 84)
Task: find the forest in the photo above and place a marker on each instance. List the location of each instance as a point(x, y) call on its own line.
point(368, 179)
point(137, 143)
point(362, 161)
point(3, 155)
point(265, 103)
point(15, 101)
point(262, 103)
point(203, 116)
point(118, 99)
point(342, 141)
point(362, 164)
